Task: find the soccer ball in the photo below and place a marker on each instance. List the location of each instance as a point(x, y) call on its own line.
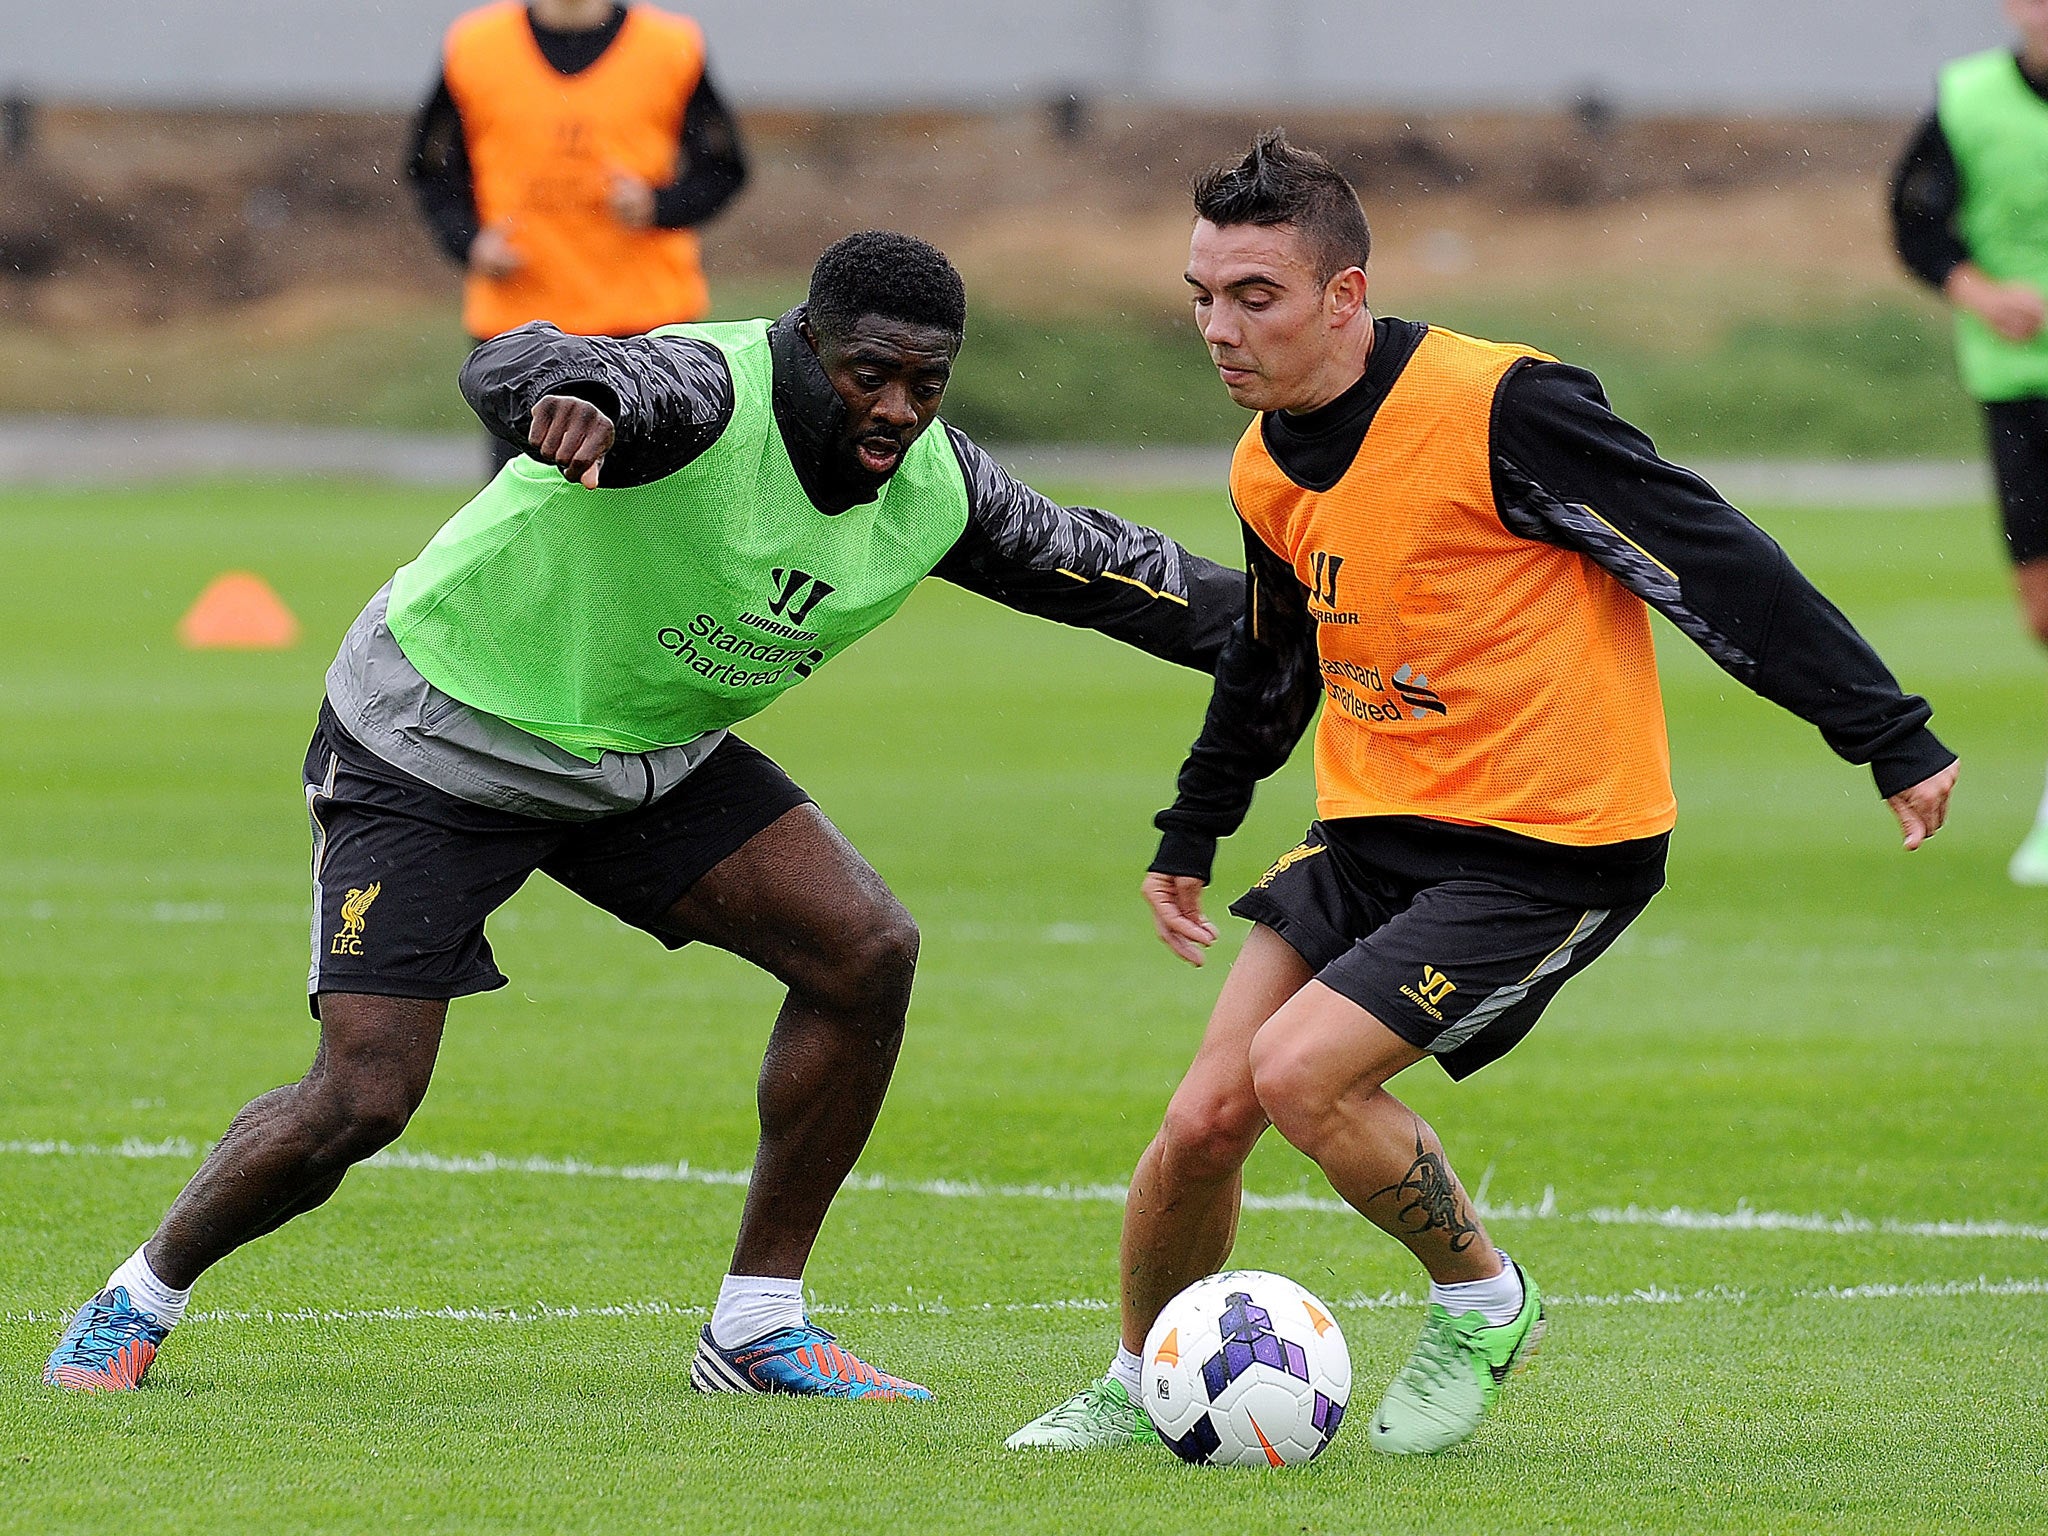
point(1246, 1369)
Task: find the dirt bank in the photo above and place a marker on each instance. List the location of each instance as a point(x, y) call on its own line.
point(123, 217)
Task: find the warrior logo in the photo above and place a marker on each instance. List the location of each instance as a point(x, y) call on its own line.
point(1436, 986)
point(1429, 997)
point(796, 594)
point(1324, 567)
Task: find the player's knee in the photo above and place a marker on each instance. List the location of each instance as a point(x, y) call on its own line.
point(371, 1124)
point(353, 1118)
point(1293, 1091)
point(1208, 1137)
point(374, 1126)
point(871, 967)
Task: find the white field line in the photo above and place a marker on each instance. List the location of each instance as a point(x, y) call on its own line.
point(542, 1312)
point(1744, 1218)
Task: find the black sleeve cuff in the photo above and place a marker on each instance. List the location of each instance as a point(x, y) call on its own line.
point(557, 382)
point(1920, 756)
point(1185, 853)
point(596, 391)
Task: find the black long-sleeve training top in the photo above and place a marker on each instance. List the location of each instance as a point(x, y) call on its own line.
point(1927, 189)
point(714, 168)
point(1558, 453)
point(670, 397)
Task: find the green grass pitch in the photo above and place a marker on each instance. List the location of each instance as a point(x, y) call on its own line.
point(1808, 1024)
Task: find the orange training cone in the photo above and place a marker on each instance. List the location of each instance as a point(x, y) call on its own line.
point(239, 612)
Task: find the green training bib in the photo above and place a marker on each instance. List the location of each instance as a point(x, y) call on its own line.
point(627, 620)
point(1998, 130)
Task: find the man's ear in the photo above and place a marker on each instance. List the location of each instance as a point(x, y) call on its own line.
point(803, 329)
point(1345, 294)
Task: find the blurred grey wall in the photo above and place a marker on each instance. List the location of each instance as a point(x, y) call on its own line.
point(1645, 55)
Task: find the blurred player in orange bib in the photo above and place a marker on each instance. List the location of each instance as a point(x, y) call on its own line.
point(566, 157)
point(1452, 548)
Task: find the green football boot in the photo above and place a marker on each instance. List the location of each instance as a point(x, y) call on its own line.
point(2029, 864)
point(1098, 1417)
point(1454, 1376)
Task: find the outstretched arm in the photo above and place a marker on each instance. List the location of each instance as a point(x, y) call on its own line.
point(667, 397)
point(1088, 568)
point(1568, 471)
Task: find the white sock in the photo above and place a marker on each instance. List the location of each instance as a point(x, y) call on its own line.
point(751, 1307)
point(1129, 1369)
point(163, 1302)
point(1498, 1300)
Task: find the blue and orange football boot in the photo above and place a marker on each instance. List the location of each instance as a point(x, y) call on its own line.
point(108, 1346)
point(804, 1361)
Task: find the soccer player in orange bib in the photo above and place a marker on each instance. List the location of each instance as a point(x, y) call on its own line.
point(567, 156)
point(1452, 547)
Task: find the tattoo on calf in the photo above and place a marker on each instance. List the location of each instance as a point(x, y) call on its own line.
point(1433, 1201)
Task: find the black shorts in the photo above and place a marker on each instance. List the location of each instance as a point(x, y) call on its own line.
point(1459, 967)
point(2018, 430)
point(404, 874)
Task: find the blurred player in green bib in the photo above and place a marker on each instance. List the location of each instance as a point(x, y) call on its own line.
point(1970, 219)
point(702, 517)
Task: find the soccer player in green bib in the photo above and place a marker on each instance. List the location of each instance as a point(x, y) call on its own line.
point(702, 518)
point(1970, 219)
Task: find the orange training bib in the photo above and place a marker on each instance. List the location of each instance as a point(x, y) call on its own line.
point(543, 149)
point(1469, 674)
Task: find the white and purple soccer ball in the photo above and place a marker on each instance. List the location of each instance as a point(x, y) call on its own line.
point(1246, 1369)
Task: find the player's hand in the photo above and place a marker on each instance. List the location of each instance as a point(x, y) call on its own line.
point(2015, 310)
point(1176, 903)
point(1923, 808)
point(571, 434)
point(631, 201)
point(492, 253)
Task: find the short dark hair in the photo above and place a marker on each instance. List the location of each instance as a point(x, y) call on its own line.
point(1278, 183)
point(879, 272)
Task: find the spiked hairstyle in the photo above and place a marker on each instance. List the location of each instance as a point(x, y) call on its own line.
point(1277, 183)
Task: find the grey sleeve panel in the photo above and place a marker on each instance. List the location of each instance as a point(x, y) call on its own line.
point(1087, 567)
point(669, 397)
point(1017, 528)
point(382, 700)
point(1533, 513)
